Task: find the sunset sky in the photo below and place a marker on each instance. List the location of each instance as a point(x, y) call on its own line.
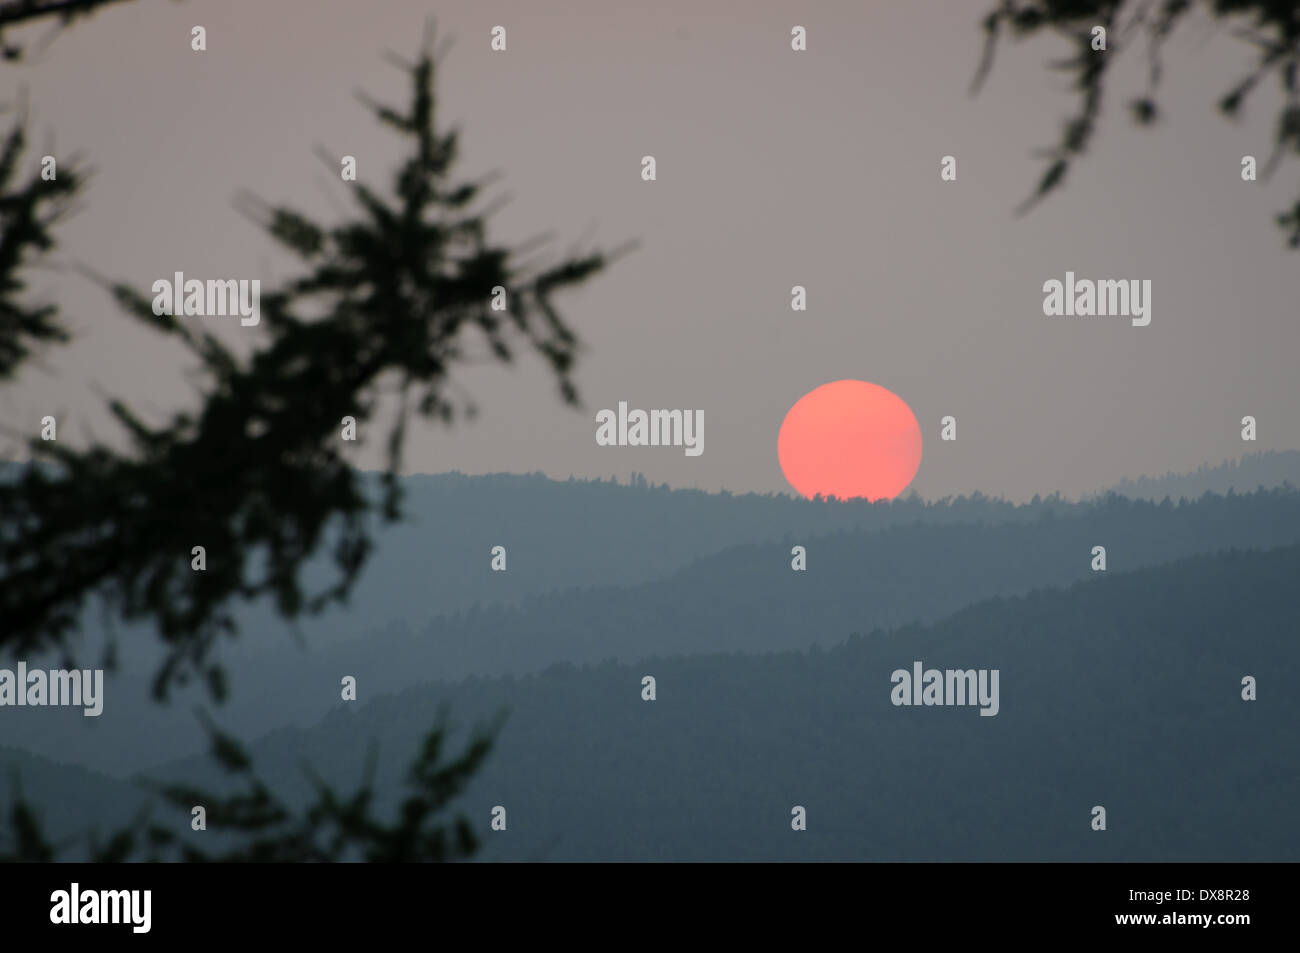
point(775, 168)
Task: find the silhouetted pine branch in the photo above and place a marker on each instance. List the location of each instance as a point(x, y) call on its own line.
point(333, 827)
point(258, 468)
point(258, 471)
point(14, 13)
point(1272, 27)
point(26, 214)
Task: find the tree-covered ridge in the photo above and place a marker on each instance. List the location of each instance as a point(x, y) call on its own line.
point(744, 598)
point(1124, 692)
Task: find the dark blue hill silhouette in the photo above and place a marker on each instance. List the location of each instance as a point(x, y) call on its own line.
point(1269, 468)
point(744, 599)
point(1123, 691)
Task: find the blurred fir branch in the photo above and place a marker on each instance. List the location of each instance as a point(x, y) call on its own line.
point(258, 471)
point(262, 828)
point(1271, 27)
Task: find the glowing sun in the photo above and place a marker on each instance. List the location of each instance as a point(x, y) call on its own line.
point(850, 439)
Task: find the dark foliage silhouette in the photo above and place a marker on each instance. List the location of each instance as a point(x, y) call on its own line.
point(27, 212)
point(388, 299)
point(259, 470)
point(265, 829)
point(1271, 27)
point(15, 13)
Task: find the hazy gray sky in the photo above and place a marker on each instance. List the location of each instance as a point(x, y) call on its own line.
point(775, 168)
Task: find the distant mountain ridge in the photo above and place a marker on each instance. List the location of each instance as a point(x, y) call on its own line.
point(1268, 469)
point(744, 599)
point(562, 534)
point(1122, 692)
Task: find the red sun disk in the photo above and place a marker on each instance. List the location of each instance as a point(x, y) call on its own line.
point(850, 439)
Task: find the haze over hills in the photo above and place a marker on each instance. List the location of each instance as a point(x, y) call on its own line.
point(562, 534)
point(1123, 692)
point(1269, 468)
point(605, 571)
point(745, 599)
